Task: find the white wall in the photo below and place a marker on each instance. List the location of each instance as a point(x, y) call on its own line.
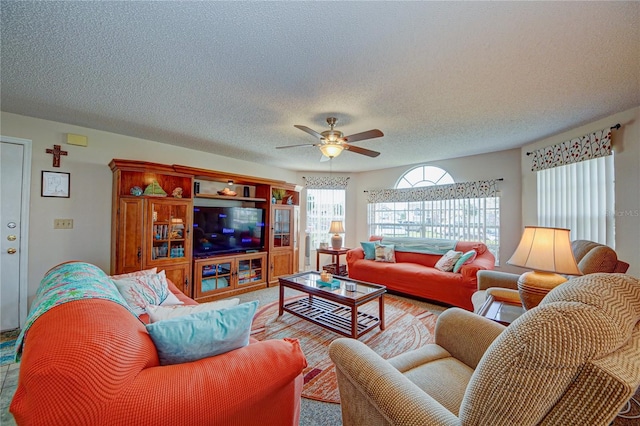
point(90, 203)
point(626, 146)
point(503, 164)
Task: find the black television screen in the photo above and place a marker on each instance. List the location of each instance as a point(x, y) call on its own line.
point(227, 230)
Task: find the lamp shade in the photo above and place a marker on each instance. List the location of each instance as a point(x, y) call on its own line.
point(545, 249)
point(336, 227)
point(331, 150)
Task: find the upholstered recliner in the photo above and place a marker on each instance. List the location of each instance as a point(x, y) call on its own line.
point(591, 257)
point(574, 359)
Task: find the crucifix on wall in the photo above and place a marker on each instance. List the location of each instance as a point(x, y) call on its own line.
point(57, 152)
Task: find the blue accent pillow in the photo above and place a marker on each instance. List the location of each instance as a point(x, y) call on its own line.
point(467, 257)
point(203, 334)
point(369, 248)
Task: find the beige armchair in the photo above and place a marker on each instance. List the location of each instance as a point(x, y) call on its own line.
point(574, 359)
point(591, 258)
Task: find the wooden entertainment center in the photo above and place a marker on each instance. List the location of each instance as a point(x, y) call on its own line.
point(156, 230)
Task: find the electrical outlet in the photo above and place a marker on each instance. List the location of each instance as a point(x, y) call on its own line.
point(62, 223)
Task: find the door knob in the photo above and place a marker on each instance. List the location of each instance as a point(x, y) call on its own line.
point(11, 250)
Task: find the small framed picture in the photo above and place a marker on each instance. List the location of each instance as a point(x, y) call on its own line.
point(55, 184)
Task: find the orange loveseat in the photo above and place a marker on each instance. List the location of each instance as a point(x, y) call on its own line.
point(92, 362)
point(414, 274)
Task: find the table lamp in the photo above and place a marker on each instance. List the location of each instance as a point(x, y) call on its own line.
point(548, 252)
point(336, 229)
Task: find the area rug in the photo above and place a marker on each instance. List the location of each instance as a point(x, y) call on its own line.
point(7, 345)
point(407, 327)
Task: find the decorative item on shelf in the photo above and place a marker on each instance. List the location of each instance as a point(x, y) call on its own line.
point(245, 192)
point(290, 200)
point(177, 193)
point(279, 194)
point(324, 246)
point(154, 190)
point(548, 252)
point(227, 192)
point(196, 188)
point(136, 191)
point(336, 229)
point(177, 228)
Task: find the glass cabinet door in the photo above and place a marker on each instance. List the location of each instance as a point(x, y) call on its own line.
point(251, 270)
point(169, 229)
point(214, 276)
point(282, 227)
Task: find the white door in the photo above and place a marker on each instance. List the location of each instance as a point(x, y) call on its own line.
point(15, 157)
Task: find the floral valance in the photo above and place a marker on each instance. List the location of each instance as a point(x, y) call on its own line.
point(326, 182)
point(594, 145)
point(479, 189)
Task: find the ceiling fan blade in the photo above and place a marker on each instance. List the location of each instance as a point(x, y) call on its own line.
point(308, 130)
point(369, 134)
point(362, 151)
point(293, 146)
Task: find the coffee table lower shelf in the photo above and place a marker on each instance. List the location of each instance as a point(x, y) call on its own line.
point(330, 315)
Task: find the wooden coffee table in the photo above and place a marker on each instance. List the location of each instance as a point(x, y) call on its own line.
point(334, 308)
point(503, 311)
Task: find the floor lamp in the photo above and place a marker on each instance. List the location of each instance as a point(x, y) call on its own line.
point(548, 252)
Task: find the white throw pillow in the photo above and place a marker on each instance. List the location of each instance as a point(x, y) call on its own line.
point(159, 313)
point(448, 261)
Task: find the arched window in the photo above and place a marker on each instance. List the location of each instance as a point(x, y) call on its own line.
point(424, 176)
point(446, 217)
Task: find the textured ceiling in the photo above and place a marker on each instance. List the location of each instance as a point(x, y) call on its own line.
point(440, 79)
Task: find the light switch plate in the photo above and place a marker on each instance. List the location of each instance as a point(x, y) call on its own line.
point(62, 223)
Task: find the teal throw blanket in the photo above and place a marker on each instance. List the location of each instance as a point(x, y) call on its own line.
point(68, 282)
point(421, 245)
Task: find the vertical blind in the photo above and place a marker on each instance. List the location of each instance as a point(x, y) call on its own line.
point(579, 196)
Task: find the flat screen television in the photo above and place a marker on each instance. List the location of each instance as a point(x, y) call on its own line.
point(219, 230)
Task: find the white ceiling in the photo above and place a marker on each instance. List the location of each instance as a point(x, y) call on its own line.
point(440, 79)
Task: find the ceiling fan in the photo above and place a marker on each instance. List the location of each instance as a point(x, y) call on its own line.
point(333, 142)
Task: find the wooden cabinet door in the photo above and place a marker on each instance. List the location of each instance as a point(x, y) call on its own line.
point(180, 275)
point(251, 269)
point(281, 263)
point(281, 227)
point(129, 246)
point(168, 226)
point(213, 276)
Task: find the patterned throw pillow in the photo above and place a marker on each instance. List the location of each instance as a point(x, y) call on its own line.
point(385, 253)
point(159, 313)
point(203, 334)
point(142, 290)
point(447, 262)
point(467, 257)
point(153, 270)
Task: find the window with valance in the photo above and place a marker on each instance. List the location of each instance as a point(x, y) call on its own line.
point(575, 187)
point(326, 201)
point(468, 211)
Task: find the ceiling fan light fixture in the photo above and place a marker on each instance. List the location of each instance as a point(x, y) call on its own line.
point(331, 150)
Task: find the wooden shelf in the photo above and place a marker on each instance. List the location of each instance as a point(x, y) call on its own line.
point(227, 197)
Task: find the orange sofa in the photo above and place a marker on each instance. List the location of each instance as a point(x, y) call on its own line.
point(414, 274)
point(92, 362)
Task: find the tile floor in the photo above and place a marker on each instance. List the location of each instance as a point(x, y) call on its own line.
point(9, 377)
